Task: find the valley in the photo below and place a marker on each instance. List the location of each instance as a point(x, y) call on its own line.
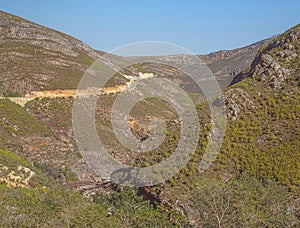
point(44, 180)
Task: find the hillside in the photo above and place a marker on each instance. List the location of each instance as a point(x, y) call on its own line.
point(228, 63)
point(225, 65)
point(255, 181)
point(264, 104)
point(260, 153)
point(34, 57)
point(277, 60)
point(30, 198)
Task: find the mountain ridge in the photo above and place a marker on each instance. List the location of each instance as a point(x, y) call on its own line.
point(58, 61)
point(254, 182)
point(265, 65)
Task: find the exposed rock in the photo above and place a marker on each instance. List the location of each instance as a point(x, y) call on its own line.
point(235, 101)
point(19, 177)
point(270, 71)
point(287, 54)
point(277, 61)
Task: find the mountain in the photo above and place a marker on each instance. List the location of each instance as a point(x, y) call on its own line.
point(34, 58)
point(225, 65)
point(268, 94)
point(44, 181)
point(260, 152)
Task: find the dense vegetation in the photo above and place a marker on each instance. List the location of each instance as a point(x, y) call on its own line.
point(242, 202)
point(255, 181)
point(46, 203)
point(264, 141)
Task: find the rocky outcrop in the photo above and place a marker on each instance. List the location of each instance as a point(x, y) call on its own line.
point(19, 177)
point(270, 72)
point(276, 61)
point(237, 99)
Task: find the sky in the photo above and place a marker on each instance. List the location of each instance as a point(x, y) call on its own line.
point(199, 26)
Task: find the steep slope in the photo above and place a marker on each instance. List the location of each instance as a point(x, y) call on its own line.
point(15, 122)
point(276, 61)
point(266, 103)
point(28, 137)
point(259, 158)
point(34, 57)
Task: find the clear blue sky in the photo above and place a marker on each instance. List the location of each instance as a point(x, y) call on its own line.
point(200, 26)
